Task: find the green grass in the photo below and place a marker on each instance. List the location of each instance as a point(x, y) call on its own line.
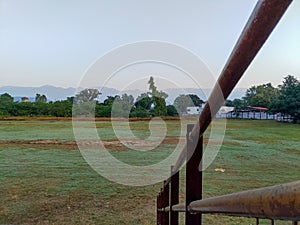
point(54, 185)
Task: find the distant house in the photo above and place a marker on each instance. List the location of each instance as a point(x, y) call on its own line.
point(252, 112)
point(223, 111)
point(193, 110)
point(25, 99)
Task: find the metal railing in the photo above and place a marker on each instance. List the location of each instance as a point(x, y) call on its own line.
point(281, 202)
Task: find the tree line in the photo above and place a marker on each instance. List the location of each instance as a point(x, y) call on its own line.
point(284, 99)
point(85, 103)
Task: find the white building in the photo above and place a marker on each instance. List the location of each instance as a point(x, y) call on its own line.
point(193, 110)
point(223, 111)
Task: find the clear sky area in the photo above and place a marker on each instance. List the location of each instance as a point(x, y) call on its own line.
point(53, 42)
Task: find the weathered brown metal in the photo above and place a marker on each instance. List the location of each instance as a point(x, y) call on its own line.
point(159, 205)
point(262, 21)
point(193, 175)
point(165, 203)
point(174, 192)
point(179, 207)
point(276, 202)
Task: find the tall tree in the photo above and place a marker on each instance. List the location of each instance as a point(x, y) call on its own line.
point(288, 101)
point(6, 98)
point(87, 95)
point(122, 105)
point(40, 98)
point(154, 91)
point(236, 103)
point(261, 95)
point(158, 99)
point(143, 101)
point(181, 102)
point(196, 100)
point(6, 104)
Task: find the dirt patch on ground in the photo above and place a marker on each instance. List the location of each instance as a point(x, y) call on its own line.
point(114, 144)
point(24, 118)
point(41, 144)
point(88, 144)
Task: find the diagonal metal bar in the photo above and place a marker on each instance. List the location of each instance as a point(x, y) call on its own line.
point(261, 23)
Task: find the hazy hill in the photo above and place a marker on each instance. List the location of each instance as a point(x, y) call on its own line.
point(59, 93)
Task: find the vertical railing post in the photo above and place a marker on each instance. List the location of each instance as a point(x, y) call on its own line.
point(174, 196)
point(157, 210)
point(193, 176)
point(165, 203)
point(257, 221)
point(158, 203)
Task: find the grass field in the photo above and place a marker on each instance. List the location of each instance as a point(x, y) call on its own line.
point(45, 180)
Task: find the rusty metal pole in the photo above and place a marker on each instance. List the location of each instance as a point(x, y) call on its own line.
point(159, 218)
point(193, 175)
point(174, 197)
point(257, 221)
point(260, 25)
point(165, 203)
point(279, 202)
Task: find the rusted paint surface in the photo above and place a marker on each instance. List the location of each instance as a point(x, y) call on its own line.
point(165, 203)
point(158, 205)
point(193, 176)
point(174, 189)
point(179, 207)
point(276, 202)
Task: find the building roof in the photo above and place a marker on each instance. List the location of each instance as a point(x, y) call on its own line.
point(258, 108)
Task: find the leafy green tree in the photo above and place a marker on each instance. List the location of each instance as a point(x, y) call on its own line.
point(196, 100)
point(84, 103)
point(102, 110)
point(143, 102)
point(139, 113)
point(61, 108)
point(160, 108)
point(171, 110)
point(229, 103)
point(122, 105)
point(87, 95)
point(6, 98)
point(40, 98)
point(288, 101)
point(6, 104)
point(181, 102)
point(261, 95)
point(236, 103)
point(157, 99)
point(153, 90)
point(110, 100)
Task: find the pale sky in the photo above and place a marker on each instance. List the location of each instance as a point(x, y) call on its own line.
point(51, 42)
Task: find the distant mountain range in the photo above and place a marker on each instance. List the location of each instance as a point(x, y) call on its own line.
point(58, 93)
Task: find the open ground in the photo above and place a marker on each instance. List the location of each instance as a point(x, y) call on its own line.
point(45, 180)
